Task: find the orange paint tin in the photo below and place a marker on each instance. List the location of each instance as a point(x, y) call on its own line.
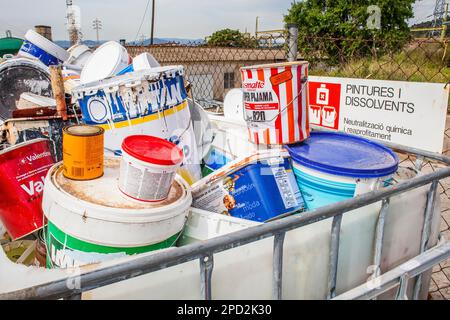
point(83, 152)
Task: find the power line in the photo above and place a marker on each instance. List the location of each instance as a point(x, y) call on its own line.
point(142, 21)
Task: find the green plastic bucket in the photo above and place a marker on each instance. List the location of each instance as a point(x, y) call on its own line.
point(92, 221)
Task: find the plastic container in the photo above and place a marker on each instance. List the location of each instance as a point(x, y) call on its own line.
point(148, 167)
point(10, 45)
point(79, 55)
point(144, 61)
point(90, 221)
point(83, 152)
point(38, 47)
point(258, 188)
point(135, 103)
point(233, 106)
point(20, 75)
point(332, 167)
point(276, 102)
point(22, 171)
point(107, 60)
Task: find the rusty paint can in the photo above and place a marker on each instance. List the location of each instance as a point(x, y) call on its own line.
point(40, 252)
point(83, 152)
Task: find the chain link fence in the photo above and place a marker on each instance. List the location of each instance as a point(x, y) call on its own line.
point(214, 70)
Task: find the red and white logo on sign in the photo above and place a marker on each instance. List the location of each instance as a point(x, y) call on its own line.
point(324, 104)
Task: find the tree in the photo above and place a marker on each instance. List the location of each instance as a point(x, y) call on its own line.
point(231, 38)
point(340, 28)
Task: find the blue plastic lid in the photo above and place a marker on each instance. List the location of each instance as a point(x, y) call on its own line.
point(344, 155)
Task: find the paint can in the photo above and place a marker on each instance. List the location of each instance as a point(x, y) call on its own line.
point(260, 187)
point(90, 221)
point(148, 167)
point(38, 47)
point(144, 61)
point(83, 151)
point(40, 252)
point(107, 60)
point(150, 102)
point(276, 102)
point(332, 167)
point(21, 75)
point(22, 172)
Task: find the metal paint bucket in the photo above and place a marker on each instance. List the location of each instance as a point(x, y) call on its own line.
point(83, 152)
point(150, 102)
point(260, 187)
point(22, 172)
point(90, 221)
point(148, 167)
point(276, 102)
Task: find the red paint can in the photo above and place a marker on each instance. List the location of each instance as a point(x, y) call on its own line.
point(22, 172)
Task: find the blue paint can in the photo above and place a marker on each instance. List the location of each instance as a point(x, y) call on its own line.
point(38, 47)
point(331, 167)
point(258, 188)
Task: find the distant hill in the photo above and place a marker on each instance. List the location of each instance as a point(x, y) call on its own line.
point(146, 42)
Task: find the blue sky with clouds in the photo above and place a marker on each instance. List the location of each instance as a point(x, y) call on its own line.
point(174, 18)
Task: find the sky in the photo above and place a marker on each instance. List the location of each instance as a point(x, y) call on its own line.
point(191, 19)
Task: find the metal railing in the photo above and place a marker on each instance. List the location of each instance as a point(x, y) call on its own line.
point(204, 251)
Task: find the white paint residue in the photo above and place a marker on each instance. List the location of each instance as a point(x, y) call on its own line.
point(36, 86)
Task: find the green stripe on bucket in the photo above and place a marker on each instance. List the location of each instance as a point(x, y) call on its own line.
point(58, 241)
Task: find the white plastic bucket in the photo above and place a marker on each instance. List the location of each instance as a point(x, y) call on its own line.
point(144, 61)
point(38, 47)
point(148, 167)
point(106, 61)
point(79, 55)
point(90, 221)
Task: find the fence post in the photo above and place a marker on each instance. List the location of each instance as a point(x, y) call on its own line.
point(292, 42)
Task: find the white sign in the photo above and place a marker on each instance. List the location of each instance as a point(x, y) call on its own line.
point(407, 113)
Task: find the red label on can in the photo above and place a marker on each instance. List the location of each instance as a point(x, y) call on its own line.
point(22, 172)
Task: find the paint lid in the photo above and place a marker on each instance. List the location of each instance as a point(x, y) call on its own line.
point(83, 130)
point(106, 61)
point(47, 45)
point(344, 155)
point(153, 150)
point(276, 65)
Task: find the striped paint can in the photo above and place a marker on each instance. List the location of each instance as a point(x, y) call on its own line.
point(276, 102)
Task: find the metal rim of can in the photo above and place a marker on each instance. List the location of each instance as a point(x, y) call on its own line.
point(99, 132)
point(276, 65)
point(22, 144)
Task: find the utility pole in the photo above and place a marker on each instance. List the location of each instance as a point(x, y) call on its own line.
point(153, 22)
point(97, 25)
point(438, 17)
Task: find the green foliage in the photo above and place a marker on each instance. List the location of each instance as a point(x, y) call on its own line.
point(338, 28)
point(231, 38)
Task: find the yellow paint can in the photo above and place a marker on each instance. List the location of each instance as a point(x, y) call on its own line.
point(83, 152)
